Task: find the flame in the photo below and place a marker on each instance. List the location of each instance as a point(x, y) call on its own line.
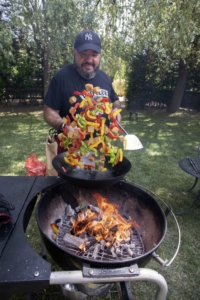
point(109, 226)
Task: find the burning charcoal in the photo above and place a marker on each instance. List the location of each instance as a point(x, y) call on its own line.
point(83, 235)
point(124, 246)
point(107, 245)
point(102, 243)
point(81, 207)
point(91, 243)
point(126, 218)
point(118, 252)
point(54, 236)
point(69, 212)
point(112, 250)
point(130, 253)
point(75, 241)
point(127, 239)
point(95, 209)
point(132, 245)
point(97, 248)
point(114, 228)
point(57, 222)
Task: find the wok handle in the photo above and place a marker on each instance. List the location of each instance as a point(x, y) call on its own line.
point(165, 263)
point(122, 128)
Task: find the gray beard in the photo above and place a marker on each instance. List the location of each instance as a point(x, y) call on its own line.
point(84, 74)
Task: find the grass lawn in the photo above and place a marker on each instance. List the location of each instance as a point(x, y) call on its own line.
point(166, 140)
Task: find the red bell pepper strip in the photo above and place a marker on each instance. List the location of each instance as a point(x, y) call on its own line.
point(114, 124)
point(77, 93)
point(73, 110)
point(104, 100)
point(68, 120)
point(65, 130)
point(112, 136)
point(75, 147)
point(85, 93)
point(64, 170)
point(88, 166)
point(81, 134)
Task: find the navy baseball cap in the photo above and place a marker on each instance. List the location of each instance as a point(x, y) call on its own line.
point(87, 40)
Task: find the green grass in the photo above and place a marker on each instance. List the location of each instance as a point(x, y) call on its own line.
point(166, 140)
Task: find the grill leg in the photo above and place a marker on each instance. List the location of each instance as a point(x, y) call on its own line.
point(126, 290)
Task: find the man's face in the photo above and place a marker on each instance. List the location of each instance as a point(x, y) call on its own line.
point(87, 63)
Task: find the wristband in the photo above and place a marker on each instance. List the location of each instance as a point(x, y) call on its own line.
point(62, 126)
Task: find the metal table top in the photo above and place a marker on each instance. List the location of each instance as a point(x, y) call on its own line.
point(191, 166)
point(21, 268)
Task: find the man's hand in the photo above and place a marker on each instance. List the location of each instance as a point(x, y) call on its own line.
point(118, 116)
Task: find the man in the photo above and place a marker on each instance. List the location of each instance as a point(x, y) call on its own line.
point(73, 77)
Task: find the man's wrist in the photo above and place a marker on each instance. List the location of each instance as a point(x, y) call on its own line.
point(62, 125)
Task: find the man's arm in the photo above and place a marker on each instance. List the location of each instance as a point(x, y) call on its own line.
point(52, 117)
point(116, 106)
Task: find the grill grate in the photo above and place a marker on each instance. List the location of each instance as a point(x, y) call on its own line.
point(136, 245)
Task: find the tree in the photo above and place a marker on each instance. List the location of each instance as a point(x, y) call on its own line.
point(170, 28)
point(52, 25)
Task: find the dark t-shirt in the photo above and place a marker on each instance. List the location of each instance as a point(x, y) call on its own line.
point(68, 80)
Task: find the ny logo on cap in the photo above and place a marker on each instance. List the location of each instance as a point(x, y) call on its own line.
point(88, 36)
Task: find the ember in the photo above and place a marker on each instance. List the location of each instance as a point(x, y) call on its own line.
point(98, 229)
point(104, 222)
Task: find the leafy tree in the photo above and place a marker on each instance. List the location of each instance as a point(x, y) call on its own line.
point(52, 26)
point(170, 28)
point(6, 57)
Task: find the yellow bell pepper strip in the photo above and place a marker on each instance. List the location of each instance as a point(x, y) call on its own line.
point(54, 228)
point(84, 102)
point(94, 145)
point(116, 112)
point(107, 108)
point(73, 110)
point(94, 124)
point(103, 120)
point(68, 161)
point(120, 155)
point(89, 117)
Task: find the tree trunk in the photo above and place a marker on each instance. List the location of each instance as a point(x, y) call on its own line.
point(179, 89)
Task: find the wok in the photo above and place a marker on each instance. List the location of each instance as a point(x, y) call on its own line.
point(91, 179)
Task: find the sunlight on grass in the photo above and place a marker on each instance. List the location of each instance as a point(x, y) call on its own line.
point(166, 140)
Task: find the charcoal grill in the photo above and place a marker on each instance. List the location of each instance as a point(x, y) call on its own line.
point(23, 270)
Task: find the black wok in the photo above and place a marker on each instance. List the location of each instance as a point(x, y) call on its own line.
point(91, 179)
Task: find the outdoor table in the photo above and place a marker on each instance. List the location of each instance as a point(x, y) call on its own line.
point(192, 167)
point(21, 268)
